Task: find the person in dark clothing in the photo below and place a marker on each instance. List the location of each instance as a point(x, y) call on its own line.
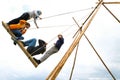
point(40, 49)
point(52, 50)
point(27, 16)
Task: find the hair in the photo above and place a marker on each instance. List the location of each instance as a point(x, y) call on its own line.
point(28, 24)
point(60, 35)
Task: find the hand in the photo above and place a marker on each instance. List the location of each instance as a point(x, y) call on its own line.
point(46, 43)
point(37, 27)
point(40, 18)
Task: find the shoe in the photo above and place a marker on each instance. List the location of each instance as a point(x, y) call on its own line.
point(15, 40)
point(37, 61)
point(14, 43)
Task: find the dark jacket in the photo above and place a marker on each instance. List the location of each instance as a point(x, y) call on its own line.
point(40, 49)
point(59, 43)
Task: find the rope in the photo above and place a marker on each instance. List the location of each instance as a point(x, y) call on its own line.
point(67, 13)
point(52, 26)
point(63, 14)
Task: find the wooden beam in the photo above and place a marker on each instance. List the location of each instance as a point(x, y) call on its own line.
point(111, 2)
point(58, 68)
point(111, 13)
point(96, 53)
point(20, 45)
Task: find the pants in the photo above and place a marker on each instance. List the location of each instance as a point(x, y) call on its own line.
point(31, 42)
point(24, 16)
point(18, 34)
point(49, 53)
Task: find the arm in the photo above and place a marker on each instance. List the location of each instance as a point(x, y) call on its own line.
point(35, 23)
point(23, 31)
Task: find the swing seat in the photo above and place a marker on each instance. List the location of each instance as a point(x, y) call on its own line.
point(20, 44)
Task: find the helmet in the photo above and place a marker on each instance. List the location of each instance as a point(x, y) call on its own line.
point(38, 13)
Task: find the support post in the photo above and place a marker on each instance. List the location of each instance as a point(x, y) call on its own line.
point(97, 53)
point(111, 2)
point(58, 68)
point(111, 13)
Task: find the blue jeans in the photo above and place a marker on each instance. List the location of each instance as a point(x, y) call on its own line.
point(31, 42)
point(18, 34)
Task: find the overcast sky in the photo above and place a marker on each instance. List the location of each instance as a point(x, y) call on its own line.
point(103, 33)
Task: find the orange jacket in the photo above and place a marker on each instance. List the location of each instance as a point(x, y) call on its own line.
point(20, 26)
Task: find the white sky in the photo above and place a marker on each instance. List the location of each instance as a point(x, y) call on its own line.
point(103, 33)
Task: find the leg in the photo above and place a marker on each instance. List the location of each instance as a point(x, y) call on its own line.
point(24, 16)
point(18, 34)
point(49, 53)
point(31, 42)
point(14, 21)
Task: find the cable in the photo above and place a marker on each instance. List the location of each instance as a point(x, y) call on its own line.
point(67, 13)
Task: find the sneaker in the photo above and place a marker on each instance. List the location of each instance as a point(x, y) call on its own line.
point(37, 61)
point(14, 43)
point(14, 40)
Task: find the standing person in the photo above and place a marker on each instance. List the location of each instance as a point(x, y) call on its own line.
point(26, 16)
point(52, 50)
point(19, 29)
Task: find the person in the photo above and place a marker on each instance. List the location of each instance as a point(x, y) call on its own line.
point(35, 50)
point(29, 43)
point(19, 29)
point(27, 16)
point(52, 50)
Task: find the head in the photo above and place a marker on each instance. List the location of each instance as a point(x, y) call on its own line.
point(27, 25)
point(60, 36)
point(38, 13)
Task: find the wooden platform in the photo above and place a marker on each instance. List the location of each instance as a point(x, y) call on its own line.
point(20, 45)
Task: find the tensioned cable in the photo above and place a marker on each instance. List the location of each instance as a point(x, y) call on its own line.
point(66, 25)
point(67, 13)
point(64, 13)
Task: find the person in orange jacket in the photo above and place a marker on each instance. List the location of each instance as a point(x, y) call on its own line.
point(19, 29)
